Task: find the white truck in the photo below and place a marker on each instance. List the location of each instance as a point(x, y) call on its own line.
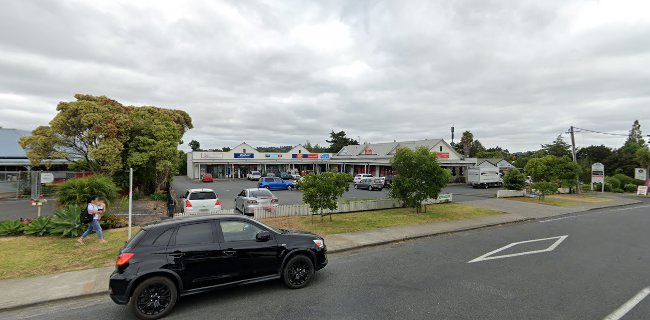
point(480, 177)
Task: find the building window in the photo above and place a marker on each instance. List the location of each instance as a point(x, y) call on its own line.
point(440, 148)
point(244, 150)
point(299, 151)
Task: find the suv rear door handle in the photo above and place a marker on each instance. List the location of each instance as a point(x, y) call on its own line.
point(229, 252)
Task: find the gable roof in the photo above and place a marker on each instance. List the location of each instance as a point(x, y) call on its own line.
point(387, 149)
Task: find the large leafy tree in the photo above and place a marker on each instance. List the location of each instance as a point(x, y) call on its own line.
point(89, 133)
point(514, 180)
point(643, 158)
point(101, 135)
point(562, 172)
point(338, 140)
point(558, 148)
point(419, 177)
point(322, 191)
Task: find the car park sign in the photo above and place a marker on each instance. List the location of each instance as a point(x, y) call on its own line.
point(597, 173)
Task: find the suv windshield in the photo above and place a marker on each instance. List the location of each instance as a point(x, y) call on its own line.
point(203, 195)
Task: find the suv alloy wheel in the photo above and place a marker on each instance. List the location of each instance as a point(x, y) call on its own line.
point(298, 272)
point(154, 298)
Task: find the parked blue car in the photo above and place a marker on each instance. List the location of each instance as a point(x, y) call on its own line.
point(276, 184)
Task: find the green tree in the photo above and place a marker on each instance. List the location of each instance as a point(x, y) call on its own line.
point(419, 177)
point(338, 140)
point(89, 133)
point(195, 145)
point(558, 148)
point(226, 149)
point(101, 135)
point(514, 180)
point(562, 172)
point(636, 136)
point(76, 192)
point(322, 191)
point(466, 142)
point(643, 158)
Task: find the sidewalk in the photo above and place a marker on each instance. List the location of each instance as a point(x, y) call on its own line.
point(29, 291)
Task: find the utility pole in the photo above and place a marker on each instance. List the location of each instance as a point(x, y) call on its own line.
point(573, 151)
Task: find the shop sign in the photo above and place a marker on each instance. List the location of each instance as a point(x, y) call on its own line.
point(211, 155)
point(244, 155)
point(640, 174)
point(325, 156)
point(305, 155)
point(368, 152)
point(47, 177)
point(597, 173)
point(642, 190)
point(273, 156)
point(442, 155)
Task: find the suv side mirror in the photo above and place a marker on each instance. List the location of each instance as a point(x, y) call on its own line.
point(263, 236)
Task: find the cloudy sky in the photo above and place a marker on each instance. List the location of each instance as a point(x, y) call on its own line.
point(515, 73)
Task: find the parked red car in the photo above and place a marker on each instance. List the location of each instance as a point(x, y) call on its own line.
point(207, 178)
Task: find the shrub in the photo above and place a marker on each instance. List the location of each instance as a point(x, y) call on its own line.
point(544, 188)
point(39, 226)
point(11, 228)
point(77, 191)
point(158, 196)
point(618, 190)
point(608, 187)
point(630, 187)
point(66, 222)
point(514, 180)
point(623, 179)
point(615, 183)
point(111, 221)
point(638, 182)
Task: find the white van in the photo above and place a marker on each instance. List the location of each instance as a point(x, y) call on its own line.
point(361, 176)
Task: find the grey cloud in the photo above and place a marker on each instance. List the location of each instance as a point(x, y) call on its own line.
point(277, 73)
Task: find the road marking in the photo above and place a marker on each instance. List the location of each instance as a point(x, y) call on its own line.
point(631, 208)
point(629, 305)
point(558, 219)
point(488, 256)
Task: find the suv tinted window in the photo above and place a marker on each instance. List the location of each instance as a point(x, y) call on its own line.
point(203, 195)
point(194, 233)
point(238, 231)
point(163, 239)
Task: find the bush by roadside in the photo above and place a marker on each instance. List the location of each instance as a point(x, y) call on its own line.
point(77, 191)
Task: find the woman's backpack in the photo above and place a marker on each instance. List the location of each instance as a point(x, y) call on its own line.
point(85, 217)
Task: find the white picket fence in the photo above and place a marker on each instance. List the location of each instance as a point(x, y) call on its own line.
point(342, 207)
point(187, 214)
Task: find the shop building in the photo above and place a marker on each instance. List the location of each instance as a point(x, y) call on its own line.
point(373, 158)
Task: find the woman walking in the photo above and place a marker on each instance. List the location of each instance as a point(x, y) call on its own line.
point(95, 207)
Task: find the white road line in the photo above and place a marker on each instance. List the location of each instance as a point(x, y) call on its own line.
point(488, 256)
point(631, 208)
point(629, 305)
point(558, 219)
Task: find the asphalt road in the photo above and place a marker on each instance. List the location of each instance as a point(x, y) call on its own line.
point(602, 263)
point(227, 190)
point(15, 209)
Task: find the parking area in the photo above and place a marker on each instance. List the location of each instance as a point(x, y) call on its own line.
point(228, 189)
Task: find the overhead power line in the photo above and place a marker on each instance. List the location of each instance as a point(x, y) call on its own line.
point(601, 132)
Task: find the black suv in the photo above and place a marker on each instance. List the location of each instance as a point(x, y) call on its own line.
point(187, 256)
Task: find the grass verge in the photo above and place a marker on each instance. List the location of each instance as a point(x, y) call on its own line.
point(27, 256)
point(563, 200)
point(360, 221)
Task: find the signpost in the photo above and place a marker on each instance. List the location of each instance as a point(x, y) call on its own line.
point(640, 174)
point(598, 175)
point(130, 199)
point(47, 177)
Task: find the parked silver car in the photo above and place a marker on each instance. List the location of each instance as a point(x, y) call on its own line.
point(249, 199)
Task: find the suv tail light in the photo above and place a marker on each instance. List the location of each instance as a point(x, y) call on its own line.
point(188, 204)
point(218, 203)
point(124, 258)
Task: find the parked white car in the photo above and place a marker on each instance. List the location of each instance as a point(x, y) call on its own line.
point(200, 201)
point(254, 175)
point(361, 176)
